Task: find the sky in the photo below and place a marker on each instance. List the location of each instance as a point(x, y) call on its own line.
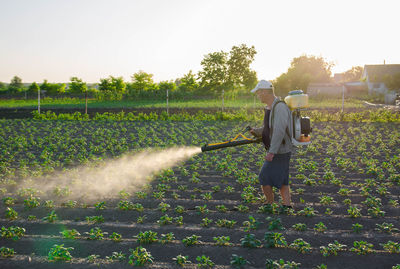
point(93, 39)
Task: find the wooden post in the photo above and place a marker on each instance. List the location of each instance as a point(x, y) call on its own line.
point(167, 104)
point(86, 101)
point(39, 101)
point(343, 98)
point(222, 100)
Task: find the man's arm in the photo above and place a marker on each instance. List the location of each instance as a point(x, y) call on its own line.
point(281, 117)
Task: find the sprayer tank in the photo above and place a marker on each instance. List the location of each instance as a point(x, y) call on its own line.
point(296, 99)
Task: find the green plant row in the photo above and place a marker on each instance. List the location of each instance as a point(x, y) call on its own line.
point(380, 115)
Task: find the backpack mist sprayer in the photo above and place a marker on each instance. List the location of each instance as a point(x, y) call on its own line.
point(298, 130)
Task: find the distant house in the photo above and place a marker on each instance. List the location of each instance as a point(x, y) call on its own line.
point(374, 76)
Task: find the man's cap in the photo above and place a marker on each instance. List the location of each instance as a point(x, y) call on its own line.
point(262, 85)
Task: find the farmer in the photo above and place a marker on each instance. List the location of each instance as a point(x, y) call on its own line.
point(277, 142)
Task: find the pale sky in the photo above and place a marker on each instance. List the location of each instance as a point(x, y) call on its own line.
point(92, 39)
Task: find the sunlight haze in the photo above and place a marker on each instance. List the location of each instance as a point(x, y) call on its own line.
point(92, 39)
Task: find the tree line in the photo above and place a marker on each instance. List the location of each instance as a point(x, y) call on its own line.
point(221, 71)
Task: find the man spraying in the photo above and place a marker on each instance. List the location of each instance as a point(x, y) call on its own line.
point(277, 142)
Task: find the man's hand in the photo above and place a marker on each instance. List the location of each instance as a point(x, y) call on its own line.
point(269, 157)
point(252, 131)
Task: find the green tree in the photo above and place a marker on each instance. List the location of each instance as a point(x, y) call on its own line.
point(3, 87)
point(214, 75)
point(77, 86)
point(166, 85)
point(187, 83)
point(52, 88)
point(112, 88)
point(15, 85)
point(33, 88)
point(240, 74)
point(392, 82)
point(142, 84)
point(228, 71)
point(302, 71)
point(353, 74)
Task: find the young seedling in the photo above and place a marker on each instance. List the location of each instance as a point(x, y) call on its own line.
point(238, 261)
point(362, 247)
point(301, 246)
point(116, 237)
point(116, 256)
point(273, 264)
point(357, 228)
point(320, 227)
point(51, 217)
point(140, 257)
point(11, 214)
point(70, 234)
point(13, 232)
point(181, 260)
point(167, 238)
point(332, 249)
point(59, 253)
point(206, 222)
point(204, 262)
point(300, 227)
point(222, 240)
point(250, 241)
point(391, 247)
point(96, 234)
point(6, 252)
point(273, 240)
point(191, 240)
point(147, 237)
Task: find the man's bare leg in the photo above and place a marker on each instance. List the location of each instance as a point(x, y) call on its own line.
point(285, 193)
point(269, 194)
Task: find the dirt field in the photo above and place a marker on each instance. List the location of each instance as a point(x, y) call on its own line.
point(349, 175)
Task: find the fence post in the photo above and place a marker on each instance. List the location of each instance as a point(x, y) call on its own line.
point(86, 102)
point(342, 98)
point(167, 104)
point(39, 101)
point(222, 100)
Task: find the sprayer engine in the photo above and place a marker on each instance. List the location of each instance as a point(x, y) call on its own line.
point(301, 129)
point(301, 126)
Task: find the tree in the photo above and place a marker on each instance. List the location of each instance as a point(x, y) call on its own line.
point(52, 88)
point(228, 71)
point(214, 75)
point(302, 71)
point(77, 86)
point(33, 88)
point(187, 83)
point(15, 85)
point(392, 82)
point(239, 62)
point(3, 87)
point(166, 85)
point(141, 82)
point(112, 88)
point(353, 74)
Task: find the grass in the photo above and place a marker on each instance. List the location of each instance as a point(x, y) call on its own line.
point(245, 102)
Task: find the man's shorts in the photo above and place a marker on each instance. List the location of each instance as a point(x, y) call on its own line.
point(275, 173)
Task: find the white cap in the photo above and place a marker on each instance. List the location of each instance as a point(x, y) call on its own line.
point(262, 85)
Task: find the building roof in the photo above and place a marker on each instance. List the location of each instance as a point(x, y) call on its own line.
point(376, 72)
